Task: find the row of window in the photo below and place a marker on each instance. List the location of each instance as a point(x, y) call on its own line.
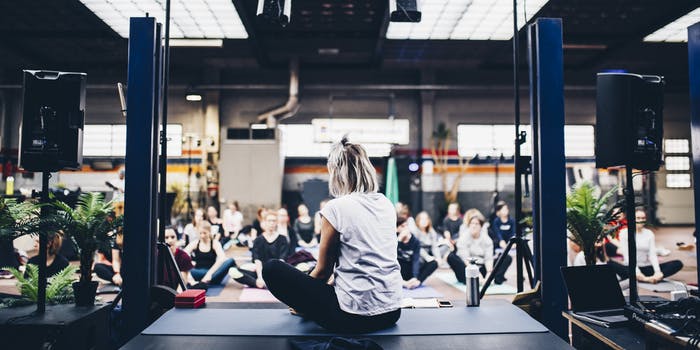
point(299, 140)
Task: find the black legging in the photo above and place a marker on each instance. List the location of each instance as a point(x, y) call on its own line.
point(104, 271)
point(248, 278)
point(317, 301)
point(426, 269)
point(668, 268)
point(458, 266)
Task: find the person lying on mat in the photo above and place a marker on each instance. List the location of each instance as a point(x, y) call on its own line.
point(648, 268)
point(414, 269)
point(478, 246)
point(210, 262)
point(270, 245)
point(358, 237)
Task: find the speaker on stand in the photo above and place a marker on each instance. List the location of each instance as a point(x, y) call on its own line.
point(629, 133)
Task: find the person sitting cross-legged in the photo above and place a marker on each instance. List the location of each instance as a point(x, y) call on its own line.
point(413, 271)
point(211, 263)
point(270, 245)
point(648, 268)
point(476, 246)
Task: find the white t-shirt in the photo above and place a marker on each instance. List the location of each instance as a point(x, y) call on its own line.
point(367, 277)
point(646, 249)
point(233, 221)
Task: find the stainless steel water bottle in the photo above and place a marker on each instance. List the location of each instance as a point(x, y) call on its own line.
point(472, 274)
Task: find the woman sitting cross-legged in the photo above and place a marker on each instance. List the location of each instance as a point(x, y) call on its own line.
point(210, 261)
point(414, 269)
point(479, 247)
point(270, 245)
point(648, 268)
point(358, 238)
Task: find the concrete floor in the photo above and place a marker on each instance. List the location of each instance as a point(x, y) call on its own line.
point(665, 237)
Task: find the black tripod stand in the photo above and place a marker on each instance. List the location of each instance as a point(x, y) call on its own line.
point(523, 255)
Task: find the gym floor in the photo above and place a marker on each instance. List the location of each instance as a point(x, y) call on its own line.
point(666, 237)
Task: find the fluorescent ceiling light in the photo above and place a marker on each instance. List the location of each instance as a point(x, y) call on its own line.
point(676, 31)
point(465, 20)
point(193, 97)
point(258, 126)
point(192, 19)
point(196, 42)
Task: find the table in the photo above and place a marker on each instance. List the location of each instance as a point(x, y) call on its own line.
point(61, 326)
point(546, 340)
point(632, 336)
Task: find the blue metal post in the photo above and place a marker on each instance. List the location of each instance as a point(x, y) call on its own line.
point(139, 201)
point(534, 137)
point(694, 75)
point(550, 169)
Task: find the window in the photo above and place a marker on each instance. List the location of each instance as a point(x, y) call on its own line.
point(677, 163)
point(676, 146)
point(489, 140)
point(297, 140)
point(678, 180)
point(494, 140)
point(109, 140)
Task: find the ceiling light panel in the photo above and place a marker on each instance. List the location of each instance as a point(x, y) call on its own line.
point(676, 31)
point(465, 20)
point(191, 19)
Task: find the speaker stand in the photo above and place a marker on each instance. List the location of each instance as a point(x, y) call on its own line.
point(631, 235)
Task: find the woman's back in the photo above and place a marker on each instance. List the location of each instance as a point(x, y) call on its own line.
point(368, 277)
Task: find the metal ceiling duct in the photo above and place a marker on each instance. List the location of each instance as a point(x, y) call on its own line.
point(291, 107)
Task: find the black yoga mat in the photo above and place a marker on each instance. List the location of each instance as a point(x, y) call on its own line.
point(491, 318)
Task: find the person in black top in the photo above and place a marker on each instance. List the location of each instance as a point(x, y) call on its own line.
point(270, 245)
point(109, 260)
point(211, 263)
point(451, 223)
point(503, 225)
point(413, 271)
point(217, 225)
point(284, 228)
point(54, 262)
point(304, 228)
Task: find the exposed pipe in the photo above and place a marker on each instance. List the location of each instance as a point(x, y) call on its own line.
point(327, 87)
point(291, 107)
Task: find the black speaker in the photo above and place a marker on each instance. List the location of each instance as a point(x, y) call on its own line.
point(53, 116)
point(629, 120)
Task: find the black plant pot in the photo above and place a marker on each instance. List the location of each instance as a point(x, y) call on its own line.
point(84, 293)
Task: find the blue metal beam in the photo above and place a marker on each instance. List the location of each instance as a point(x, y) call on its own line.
point(550, 171)
point(139, 202)
point(694, 75)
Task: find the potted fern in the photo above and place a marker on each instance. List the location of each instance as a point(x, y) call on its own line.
point(57, 291)
point(89, 224)
point(588, 216)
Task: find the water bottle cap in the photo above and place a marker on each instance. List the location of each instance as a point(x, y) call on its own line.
point(472, 271)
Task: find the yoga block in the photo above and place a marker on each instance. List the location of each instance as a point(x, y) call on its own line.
point(190, 295)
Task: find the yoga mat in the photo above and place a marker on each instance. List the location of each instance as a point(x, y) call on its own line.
point(255, 295)
point(662, 287)
point(494, 289)
point(421, 292)
point(215, 289)
point(492, 317)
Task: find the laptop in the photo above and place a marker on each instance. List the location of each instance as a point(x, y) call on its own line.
point(595, 294)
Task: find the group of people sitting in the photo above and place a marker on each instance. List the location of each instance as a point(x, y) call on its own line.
point(613, 250)
point(200, 253)
point(463, 239)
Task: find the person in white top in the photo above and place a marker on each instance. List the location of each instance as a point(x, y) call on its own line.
point(233, 219)
point(358, 237)
point(648, 267)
